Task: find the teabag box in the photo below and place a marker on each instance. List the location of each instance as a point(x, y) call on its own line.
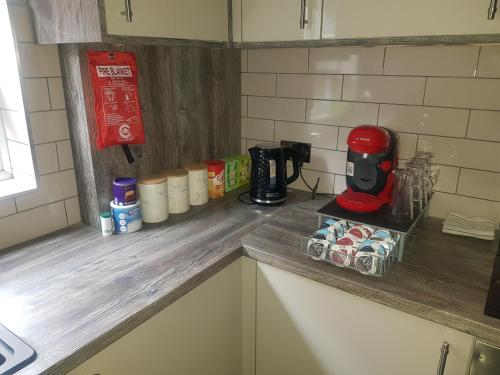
point(231, 172)
point(244, 169)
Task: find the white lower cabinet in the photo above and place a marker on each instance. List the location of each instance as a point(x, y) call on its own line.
point(254, 319)
point(198, 334)
point(304, 327)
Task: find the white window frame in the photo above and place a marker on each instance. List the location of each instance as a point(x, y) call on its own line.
point(14, 182)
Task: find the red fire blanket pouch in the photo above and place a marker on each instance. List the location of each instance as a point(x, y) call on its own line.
point(117, 106)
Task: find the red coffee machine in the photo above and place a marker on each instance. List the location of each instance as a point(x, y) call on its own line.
point(371, 157)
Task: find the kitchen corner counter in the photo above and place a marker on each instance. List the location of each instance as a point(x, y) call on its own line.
point(443, 278)
point(71, 294)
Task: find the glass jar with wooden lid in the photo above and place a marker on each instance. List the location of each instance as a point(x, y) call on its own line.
point(177, 188)
point(153, 192)
point(198, 183)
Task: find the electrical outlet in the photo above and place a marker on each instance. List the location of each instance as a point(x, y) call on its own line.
point(303, 150)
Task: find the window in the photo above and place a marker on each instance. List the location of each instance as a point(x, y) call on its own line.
point(17, 172)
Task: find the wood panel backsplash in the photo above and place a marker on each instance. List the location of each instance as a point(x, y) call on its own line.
point(191, 112)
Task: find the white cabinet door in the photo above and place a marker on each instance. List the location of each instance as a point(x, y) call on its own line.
point(198, 334)
point(177, 19)
point(269, 20)
point(386, 18)
point(304, 327)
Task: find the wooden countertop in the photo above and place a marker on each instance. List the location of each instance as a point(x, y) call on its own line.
point(71, 294)
point(443, 278)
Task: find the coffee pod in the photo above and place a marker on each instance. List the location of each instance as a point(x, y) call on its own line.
point(340, 255)
point(370, 256)
point(317, 249)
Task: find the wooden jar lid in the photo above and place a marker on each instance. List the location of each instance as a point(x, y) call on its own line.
point(174, 172)
point(195, 166)
point(152, 179)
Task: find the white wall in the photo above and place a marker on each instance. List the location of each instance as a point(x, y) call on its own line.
point(54, 205)
point(443, 98)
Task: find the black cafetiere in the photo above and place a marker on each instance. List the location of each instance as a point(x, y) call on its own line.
point(268, 176)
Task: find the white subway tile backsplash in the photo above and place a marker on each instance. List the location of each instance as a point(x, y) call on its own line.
point(244, 60)
point(277, 108)
point(49, 126)
point(474, 93)
point(317, 135)
point(326, 181)
point(7, 207)
point(37, 94)
point(258, 84)
point(23, 24)
point(346, 60)
point(73, 210)
point(407, 145)
point(462, 152)
point(56, 93)
point(46, 158)
point(244, 109)
point(39, 60)
point(479, 184)
point(254, 142)
point(52, 204)
point(328, 161)
point(30, 224)
point(489, 62)
point(342, 139)
point(312, 86)
point(442, 204)
point(257, 129)
point(454, 61)
point(14, 123)
point(340, 184)
point(51, 188)
point(278, 60)
point(448, 179)
point(430, 96)
point(349, 114)
point(424, 120)
point(384, 89)
point(484, 125)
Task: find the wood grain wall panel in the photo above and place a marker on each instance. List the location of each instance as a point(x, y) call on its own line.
point(191, 112)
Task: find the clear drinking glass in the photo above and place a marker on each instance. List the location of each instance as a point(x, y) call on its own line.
point(421, 173)
point(432, 171)
point(419, 193)
point(401, 197)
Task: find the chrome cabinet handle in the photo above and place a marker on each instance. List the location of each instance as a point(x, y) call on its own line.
point(303, 22)
point(445, 349)
point(128, 11)
point(492, 9)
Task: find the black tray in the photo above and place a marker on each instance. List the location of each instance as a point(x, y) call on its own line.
point(377, 219)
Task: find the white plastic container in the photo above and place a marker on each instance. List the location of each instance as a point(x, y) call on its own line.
point(126, 219)
point(178, 191)
point(153, 192)
point(198, 183)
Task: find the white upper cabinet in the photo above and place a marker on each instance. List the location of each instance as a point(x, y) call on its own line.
point(177, 19)
point(400, 18)
point(276, 20)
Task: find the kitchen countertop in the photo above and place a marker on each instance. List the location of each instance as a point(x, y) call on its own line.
point(71, 294)
point(442, 278)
